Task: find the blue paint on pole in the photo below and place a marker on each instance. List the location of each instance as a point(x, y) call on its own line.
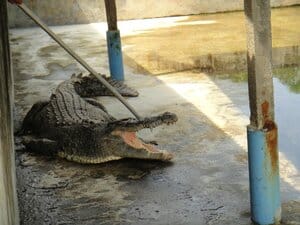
point(264, 176)
point(115, 54)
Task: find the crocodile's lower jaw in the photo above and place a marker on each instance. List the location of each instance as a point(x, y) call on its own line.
point(132, 140)
point(87, 160)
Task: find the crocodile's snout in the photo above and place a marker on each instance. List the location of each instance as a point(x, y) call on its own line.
point(133, 125)
point(155, 121)
point(169, 118)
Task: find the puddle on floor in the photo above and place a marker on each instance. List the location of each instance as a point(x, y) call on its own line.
point(287, 107)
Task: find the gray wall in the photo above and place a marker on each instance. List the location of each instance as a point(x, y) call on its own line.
point(8, 195)
point(58, 12)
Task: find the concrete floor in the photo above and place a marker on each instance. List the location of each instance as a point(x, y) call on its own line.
point(207, 182)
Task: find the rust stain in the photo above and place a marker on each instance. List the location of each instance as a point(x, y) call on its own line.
point(271, 137)
point(268, 124)
point(265, 110)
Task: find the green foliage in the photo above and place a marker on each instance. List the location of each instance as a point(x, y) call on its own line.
point(289, 76)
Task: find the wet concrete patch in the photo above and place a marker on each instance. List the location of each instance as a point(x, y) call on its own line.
point(47, 51)
point(291, 213)
point(55, 192)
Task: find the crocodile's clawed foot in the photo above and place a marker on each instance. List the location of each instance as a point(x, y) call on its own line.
point(122, 88)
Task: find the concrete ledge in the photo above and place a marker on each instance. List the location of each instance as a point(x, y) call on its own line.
point(209, 43)
point(215, 63)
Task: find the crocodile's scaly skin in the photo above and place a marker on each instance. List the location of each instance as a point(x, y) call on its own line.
point(81, 130)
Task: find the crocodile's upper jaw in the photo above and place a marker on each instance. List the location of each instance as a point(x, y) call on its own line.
point(133, 125)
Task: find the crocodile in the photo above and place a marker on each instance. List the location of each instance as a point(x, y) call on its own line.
point(74, 126)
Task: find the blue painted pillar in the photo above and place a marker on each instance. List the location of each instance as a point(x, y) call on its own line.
point(113, 39)
point(262, 131)
point(264, 175)
point(115, 57)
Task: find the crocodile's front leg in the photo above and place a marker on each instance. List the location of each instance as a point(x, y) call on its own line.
point(40, 145)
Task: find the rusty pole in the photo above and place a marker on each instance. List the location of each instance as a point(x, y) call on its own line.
point(262, 131)
point(113, 39)
point(8, 196)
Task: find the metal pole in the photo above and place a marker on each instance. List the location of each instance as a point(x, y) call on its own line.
point(113, 39)
point(262, 131)
point(28, 12)
point(8, 195)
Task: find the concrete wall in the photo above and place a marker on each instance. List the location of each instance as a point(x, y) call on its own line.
point(8, 195)
point(57, 12)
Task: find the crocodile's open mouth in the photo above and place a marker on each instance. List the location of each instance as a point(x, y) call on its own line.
point(127, 128)
point(131, 139)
